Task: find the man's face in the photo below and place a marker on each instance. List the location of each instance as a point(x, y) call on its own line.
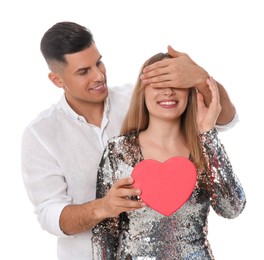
point(84, 77)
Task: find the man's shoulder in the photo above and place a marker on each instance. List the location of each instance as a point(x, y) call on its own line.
point(47, 115)
point(120, 98)
point(121, 90)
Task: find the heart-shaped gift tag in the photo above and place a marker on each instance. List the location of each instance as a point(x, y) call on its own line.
point(166, 186)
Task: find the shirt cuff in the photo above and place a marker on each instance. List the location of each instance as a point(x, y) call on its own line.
point(49, 218)
point(228, 126)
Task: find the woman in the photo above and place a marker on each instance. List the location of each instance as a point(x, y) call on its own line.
point(162, 123)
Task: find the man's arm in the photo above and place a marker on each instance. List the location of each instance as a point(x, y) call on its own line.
point(228, 109)
point(78, 218)
point(183, 72)
point(47, 190)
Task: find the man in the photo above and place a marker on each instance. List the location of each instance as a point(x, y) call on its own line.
point(62, 147)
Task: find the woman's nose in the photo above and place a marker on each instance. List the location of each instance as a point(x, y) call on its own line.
point(169, 91)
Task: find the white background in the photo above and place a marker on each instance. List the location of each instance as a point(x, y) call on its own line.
point(225, 37)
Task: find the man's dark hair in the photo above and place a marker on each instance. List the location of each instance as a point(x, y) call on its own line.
point(64, 38)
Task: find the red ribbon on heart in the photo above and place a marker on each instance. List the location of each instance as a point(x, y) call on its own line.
point(166, 186)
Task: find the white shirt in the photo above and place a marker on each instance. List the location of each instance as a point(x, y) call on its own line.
point(60, 156)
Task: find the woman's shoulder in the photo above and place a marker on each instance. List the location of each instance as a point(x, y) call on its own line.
point(125, 148)
point(123, 139)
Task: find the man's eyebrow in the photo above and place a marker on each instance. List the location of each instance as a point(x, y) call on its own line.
point(86, 68)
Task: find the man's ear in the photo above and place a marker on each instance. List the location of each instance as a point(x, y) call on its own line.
point(56, 79)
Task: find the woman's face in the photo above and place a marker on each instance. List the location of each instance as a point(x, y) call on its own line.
point(166, 103)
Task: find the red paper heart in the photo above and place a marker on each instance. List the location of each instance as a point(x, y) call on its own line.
point(165, 186)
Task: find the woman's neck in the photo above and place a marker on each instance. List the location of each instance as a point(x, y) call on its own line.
point(161, 142)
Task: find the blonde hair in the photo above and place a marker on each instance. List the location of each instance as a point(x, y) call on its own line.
point(137, 117)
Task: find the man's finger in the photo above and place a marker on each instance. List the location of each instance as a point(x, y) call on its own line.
point(174, 53)
point(123, 182)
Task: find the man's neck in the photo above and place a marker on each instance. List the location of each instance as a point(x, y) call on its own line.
point(92, 112)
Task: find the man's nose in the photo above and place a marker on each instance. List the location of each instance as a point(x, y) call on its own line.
point(98, 75)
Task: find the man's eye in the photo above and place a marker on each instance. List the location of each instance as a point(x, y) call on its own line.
point(99, 63)
point(83, 72)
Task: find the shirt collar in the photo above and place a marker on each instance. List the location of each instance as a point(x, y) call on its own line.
point(68, 110)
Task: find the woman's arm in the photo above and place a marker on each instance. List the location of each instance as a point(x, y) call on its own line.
point(105, 234)
point(226, 192)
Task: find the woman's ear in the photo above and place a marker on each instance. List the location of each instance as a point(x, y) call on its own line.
point(56, 79)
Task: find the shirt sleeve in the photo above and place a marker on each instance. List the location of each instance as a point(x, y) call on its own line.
point(226, 192)
point(231, 124)
point(44, 182)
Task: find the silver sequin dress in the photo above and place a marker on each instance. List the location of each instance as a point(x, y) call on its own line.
point(145, 234)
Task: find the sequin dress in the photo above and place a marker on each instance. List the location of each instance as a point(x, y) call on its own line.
point(145, 234)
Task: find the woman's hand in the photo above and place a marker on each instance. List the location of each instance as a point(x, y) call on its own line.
point(206, 116)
